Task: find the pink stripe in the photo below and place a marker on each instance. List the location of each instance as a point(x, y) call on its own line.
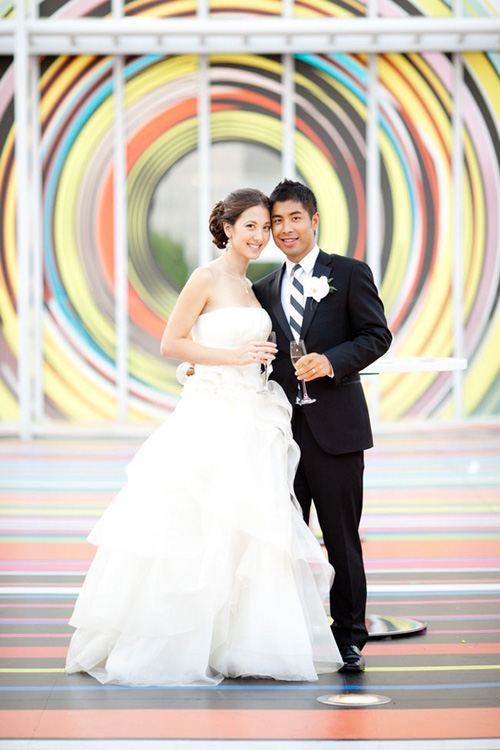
point(455, 632)
point(392, 603)
point(34, 619)
point(51, 566)
point(443, 565)
point(47, 532)
point(494, 616)
point(492, 559)
point(68, 635)
point(440, 580)
point(30, 606)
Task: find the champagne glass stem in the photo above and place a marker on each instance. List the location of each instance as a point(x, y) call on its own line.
point(305, 394)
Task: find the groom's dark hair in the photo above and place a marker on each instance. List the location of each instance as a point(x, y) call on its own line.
point(289, 190)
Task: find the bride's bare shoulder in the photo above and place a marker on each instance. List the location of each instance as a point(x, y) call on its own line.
point(208, 273)
point(202, 275)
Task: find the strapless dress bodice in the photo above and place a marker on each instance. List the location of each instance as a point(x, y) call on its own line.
point(229, 328)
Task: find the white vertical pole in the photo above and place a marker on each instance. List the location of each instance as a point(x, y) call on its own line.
point(373, 228)
point(120, 232)
point(203, 8)
point(204, 245)
point(373, 187)
point(373, 239)
point(457, 281)
point(288, 105)
point(204, 143)
point(288, 123)
point(37, 246)
point(22, 223)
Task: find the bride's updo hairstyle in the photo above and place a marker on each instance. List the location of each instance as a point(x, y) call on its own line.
point(230, 210)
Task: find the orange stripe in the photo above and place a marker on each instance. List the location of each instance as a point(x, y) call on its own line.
point(47, 551)
point(378, 649)
point(372, 549)
point(32, 652)
point(408, 548)
point(320, 724)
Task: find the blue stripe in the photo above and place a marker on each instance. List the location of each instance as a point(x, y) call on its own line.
point(321, 688)
point(294, 303)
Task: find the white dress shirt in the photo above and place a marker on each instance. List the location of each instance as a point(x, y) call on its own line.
point(307, 264)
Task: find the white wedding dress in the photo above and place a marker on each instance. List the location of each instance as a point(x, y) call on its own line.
point(204, 567)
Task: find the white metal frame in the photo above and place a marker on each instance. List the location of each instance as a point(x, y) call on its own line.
point(204, 35)
point(26, 38)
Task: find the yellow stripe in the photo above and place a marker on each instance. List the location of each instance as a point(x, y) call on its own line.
point(65, 85)
point(399, 255)
point(321, 7)
point(165, 10)
point(177, 70)
point(489, 80)
point(273, 7)
point(435, 8)
point(251, 61)
point(486, 365)
point(9, 407)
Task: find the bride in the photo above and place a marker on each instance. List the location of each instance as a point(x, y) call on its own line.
point(204, 567)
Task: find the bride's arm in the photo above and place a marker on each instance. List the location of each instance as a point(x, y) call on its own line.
point(176, 342)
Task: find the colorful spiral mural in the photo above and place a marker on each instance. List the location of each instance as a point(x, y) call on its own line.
point(246, 107)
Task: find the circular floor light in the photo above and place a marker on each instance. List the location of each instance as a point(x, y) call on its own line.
point(388, 626)
point(354, 700)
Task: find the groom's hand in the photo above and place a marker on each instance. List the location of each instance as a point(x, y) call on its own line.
point(183, 372)
point(312, 366)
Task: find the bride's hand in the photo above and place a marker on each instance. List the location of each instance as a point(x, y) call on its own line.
point(256, 352)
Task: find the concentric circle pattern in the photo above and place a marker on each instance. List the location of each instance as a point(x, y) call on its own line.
point(330, 141)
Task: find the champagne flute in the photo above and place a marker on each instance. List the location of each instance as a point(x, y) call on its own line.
point(297, 350)
point(265, 389)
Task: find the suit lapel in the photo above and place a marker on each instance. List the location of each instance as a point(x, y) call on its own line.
point(322, 267)
point(277, 307)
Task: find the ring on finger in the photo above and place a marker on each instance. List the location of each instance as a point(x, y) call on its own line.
point(314, 371)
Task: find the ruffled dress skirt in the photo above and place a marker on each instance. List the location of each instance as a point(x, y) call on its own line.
point(204, 568)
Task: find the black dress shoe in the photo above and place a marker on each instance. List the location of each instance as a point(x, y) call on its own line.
point(352, 658)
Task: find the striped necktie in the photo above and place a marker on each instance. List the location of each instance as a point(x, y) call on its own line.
point(296, 302)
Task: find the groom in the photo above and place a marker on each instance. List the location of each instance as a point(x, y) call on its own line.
point(341, 320)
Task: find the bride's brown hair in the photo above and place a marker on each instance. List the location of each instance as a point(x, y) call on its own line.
point(231, 208)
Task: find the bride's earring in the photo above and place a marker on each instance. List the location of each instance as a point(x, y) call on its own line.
point(229, 244)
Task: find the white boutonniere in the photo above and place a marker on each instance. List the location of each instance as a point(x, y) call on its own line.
point(318, 287)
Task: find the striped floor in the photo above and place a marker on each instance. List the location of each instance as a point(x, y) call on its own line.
point(431, 540)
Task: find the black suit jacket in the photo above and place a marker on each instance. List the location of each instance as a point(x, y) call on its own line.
point(349, 327)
